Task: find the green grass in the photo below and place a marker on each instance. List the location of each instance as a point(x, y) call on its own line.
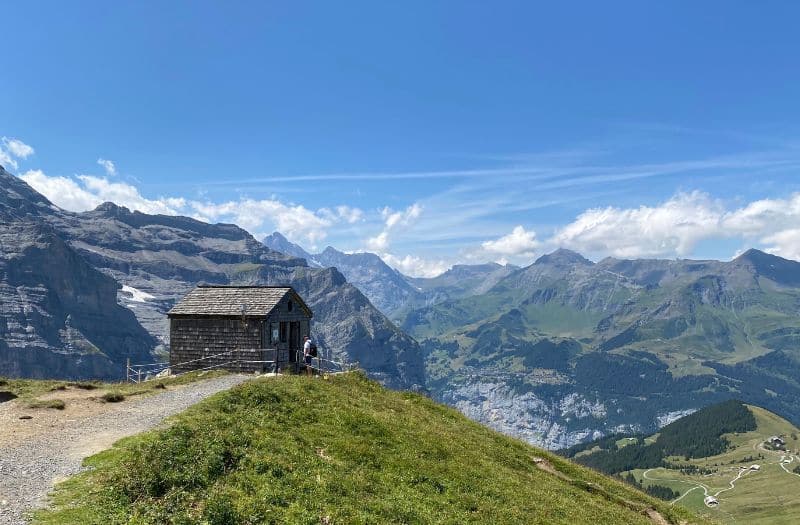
point(57, 404)
point(343, 450)
point(113, 397)
point(30, 389)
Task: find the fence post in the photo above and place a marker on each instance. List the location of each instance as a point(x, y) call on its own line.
point(128, 370)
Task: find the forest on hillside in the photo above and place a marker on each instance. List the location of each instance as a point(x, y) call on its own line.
point(697, 435)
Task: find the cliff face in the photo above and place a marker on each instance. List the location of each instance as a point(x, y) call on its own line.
point(126, 269)
point(59, 317)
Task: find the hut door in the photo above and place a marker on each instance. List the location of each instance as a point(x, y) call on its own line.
point(294, 336)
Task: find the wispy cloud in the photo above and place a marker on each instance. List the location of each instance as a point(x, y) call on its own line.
point(560, 174)
point(86, 192)
point(12, 150)
point(108, 166)
point(509, 213)
point(393, 220)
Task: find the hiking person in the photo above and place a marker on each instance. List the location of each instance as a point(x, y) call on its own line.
point(309, 352)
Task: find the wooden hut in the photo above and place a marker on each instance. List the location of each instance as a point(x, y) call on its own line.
point(238, 328)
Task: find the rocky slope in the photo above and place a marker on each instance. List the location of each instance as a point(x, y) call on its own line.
point(565, 349)
point(277, 242)
point(156, 259)
point(59, 316)
point(386, 288)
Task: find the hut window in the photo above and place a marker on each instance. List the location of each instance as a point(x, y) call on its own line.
point(290, 306)
point(275, 334)
point(284, 330)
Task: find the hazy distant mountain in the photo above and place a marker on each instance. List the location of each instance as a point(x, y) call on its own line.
point(388, 289)
point(462, 280)
point(276, 241)
point(156, 259)
point(565, 349)
point(385, 287)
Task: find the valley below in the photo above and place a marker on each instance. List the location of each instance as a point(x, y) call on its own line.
point(730, 462)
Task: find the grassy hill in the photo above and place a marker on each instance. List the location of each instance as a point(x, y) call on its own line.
point(709, 453)
point(342, 450)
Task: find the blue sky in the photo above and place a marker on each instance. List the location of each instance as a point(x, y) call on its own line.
point(429, 132)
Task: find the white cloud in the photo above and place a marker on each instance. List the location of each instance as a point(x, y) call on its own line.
point(86, 192)
point(129, 196)
point(401, 218)
point(6, 160)
point(393, 220)
point(675, 227)
point(414, 266)
point(17, 148)
point(669, 229)
point(350, 215)
point(64, 192)
point(13, 149)
point(342, 213)
point(378, 243)
point(765, 216)
point(295, 221)
point(517, 243)
point(108, 165)
point(785, 243)
point(773, 223)
point(298, 223)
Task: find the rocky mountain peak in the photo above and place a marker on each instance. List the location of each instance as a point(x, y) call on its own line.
point(18, 199)
point(754, 256)
point(563, 257)
point(778, 269)
point(111, 209)
point(278, 242)
point(331, 251)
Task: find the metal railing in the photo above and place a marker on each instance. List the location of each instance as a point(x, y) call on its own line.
point(329, 366)
point(145, 372)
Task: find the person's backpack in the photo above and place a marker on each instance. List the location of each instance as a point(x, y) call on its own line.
point(312, 350)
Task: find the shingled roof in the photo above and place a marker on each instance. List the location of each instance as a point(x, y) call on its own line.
point(228, 300)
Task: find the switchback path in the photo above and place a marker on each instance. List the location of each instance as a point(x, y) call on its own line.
point(32, 464)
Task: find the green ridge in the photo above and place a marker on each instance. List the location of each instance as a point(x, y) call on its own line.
point(342, 450)
point(708, 449)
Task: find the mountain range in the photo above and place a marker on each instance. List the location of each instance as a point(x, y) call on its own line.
point(392, 292)
point(558, 352)
point(566, 349)
point(83, 292)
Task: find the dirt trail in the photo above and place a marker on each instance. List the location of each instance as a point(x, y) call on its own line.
point(36, 453)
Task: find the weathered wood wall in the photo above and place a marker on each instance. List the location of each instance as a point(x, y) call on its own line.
point(194, 337)
point(199, 337)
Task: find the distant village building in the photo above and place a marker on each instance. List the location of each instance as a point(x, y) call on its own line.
point(777, 442)
point(711, 501)
point(238, 328)
point(755, 467)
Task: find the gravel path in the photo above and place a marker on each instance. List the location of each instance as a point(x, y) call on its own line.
point(29, 469)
